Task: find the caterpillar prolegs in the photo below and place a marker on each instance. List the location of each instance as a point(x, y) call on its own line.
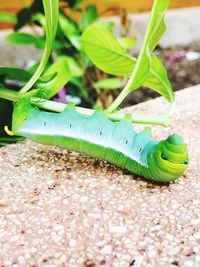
point(97, 136)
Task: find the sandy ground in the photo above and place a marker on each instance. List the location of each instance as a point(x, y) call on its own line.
point(60, 208)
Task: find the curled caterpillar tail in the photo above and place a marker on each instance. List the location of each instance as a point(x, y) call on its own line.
point(8, 131)
point(168, 159)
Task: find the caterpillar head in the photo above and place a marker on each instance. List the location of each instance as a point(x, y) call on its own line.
point(170, 158)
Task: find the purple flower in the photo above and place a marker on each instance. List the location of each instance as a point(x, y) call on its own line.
point(61, 96)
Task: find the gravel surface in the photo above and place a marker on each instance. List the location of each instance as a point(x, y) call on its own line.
point(60, 208)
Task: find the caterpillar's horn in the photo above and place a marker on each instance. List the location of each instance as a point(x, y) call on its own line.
point(176, 139)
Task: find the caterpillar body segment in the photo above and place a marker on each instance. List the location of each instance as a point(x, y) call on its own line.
point(97, 136)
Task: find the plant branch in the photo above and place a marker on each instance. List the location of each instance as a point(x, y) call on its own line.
point(8, 94)
point(51, 21)
point(164, 121)
point(131, 82)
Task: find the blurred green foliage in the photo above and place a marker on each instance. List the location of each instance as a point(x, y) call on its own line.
point(85, 81)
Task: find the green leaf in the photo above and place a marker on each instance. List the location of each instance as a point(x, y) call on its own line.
point(146, 59)
point(157, 79)
point(6, 17)
point(109, 25)
point(158, 27)
point(61, 75)
point(40, 43)
point(109, 83)
point(34, 67)
point(75, 69)
point(70, 30)
point(77, 81)
point(51, 9)
point(88, 17)
point(15, 74)
point(103, 49)
point(127, 42)
point(40, 18)
point(19, 38)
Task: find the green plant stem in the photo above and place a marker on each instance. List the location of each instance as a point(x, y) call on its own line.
point(130, 84)
point(164, 121)
point(120, 97)
point(48, 43)
point(37, 74)
point(8, 94)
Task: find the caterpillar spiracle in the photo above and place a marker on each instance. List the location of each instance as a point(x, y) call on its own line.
point(97, 136)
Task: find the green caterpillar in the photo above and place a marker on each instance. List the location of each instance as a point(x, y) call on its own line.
point(97, 136)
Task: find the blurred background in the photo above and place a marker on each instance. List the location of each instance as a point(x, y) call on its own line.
point(22, 41)
point(179, 49)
